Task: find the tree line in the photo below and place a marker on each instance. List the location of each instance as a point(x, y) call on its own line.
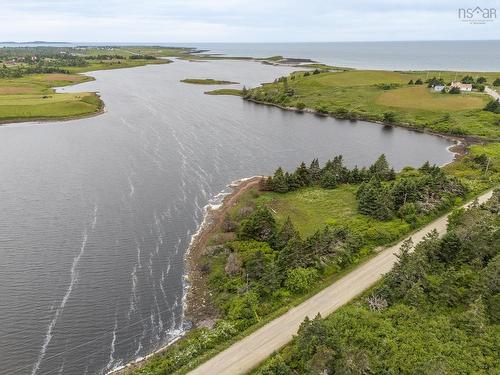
point(380, 194)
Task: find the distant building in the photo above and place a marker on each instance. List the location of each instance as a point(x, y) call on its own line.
point(462, 86)
point(439, 88)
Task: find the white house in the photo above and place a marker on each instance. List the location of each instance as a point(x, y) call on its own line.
point(439, 88)
point(462, 86)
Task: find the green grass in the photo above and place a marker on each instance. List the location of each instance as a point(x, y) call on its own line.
point(419, 97)
point(53, 107)
point(359, 94)
point(313, 208)
point(207, 81)
point(32, 98)
point(478, 176)
point(235, 92)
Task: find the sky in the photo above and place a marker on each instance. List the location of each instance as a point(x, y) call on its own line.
point(186, 21)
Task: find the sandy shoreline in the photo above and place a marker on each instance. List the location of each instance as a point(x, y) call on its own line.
point(197, 307)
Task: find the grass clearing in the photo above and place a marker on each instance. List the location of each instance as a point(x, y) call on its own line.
point(420, 97)
point(312, 208)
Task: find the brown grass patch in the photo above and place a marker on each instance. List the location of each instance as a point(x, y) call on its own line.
point(17, 90)
point(61, 77)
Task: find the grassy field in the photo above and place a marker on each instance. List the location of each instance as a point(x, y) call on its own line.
point(371, 95)
point(313, 208)
point(419, 97)
point(207, 81)
point(32, 98)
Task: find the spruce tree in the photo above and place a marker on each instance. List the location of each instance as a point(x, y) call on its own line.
point(380, 169)
point(314, 172)
point(285, 234)
point(329, 180)
point(302, 174)
point(279, 182)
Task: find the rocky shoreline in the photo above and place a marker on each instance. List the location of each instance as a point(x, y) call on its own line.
point(199, 311)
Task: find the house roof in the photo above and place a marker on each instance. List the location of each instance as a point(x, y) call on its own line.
point(461, 85)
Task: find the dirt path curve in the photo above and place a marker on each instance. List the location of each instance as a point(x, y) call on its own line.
point(495, 95)
point(247, 353)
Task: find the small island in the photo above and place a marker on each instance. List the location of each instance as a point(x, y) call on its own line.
point(234, 92)
point(207, 81)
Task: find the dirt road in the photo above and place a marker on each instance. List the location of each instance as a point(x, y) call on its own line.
point(255, 348)
point(495, 95)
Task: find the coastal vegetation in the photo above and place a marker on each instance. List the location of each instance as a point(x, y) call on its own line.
point(32, 97)
point(300, 230)
point(401, 98)
point(207, 81)
point(437, 311)
point(29, 74)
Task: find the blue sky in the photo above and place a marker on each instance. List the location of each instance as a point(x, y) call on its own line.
point(239, 20)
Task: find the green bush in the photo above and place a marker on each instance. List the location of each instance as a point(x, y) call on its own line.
point(300, 279)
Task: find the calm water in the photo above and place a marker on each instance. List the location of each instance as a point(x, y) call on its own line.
point(96, 214)
point(444, 55)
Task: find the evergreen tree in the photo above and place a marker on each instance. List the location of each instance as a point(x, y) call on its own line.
point(302, 174)
point(493, 106)
point(292, 255)
point(403, 191)
point(259, 226)
point(381, 170)
point(329, 180)
point(293, 181)
point(285, 234)
point(314, 172)
point(279, 182)
point(355, 175)
point(367, 196)
point(255, 266)
point(374, 200)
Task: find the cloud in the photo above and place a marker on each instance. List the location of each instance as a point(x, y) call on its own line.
point(188, 21)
